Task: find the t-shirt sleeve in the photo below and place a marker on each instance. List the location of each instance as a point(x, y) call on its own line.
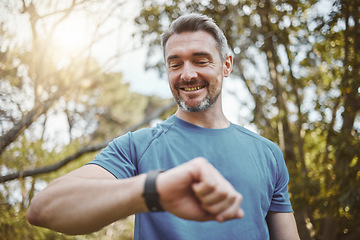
point(280, 201)
point(119, 157)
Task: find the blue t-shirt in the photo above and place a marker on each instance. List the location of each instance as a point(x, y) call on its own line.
point(252, 164)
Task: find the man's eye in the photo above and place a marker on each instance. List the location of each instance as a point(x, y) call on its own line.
point(175, 65)
point(202, 62)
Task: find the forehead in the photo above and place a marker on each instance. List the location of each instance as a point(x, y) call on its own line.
point(188, 43)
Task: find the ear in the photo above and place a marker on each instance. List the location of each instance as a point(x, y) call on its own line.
point(228, 63)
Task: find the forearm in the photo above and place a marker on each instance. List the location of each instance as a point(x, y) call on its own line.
point(75, 205)
point(90, 198)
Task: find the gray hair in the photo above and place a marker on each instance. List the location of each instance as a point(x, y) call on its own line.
point(196, 22)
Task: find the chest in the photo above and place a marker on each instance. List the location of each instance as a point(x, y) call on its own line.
point(246, 163)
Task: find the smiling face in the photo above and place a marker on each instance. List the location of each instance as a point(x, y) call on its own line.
point(195, 70)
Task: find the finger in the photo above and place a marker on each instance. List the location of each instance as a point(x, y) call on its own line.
point(219, 203)
point(232, 211)
point(228, 215)
point(214, 197)
point(202, 189)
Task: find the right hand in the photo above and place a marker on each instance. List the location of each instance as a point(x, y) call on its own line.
point(197, 191)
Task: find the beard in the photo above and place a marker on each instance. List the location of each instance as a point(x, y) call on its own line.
point(204, 105)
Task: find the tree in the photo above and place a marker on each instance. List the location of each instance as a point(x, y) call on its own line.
point(60, 103)
point(301, 67)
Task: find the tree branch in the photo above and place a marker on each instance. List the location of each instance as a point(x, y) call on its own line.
point(81, 152)
point(24, 123)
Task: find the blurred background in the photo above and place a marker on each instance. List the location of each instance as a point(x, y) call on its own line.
point(74, 74)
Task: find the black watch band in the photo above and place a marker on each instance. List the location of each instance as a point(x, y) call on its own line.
point(150, 194)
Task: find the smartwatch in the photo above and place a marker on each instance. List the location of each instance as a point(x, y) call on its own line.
point(150, 194)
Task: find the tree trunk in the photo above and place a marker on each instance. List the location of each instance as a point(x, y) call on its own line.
point(305, 228)
point(330, 229)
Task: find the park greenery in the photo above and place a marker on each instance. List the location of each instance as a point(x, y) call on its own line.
point(298, 60)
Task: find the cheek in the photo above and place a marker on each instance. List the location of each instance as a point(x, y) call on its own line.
point(170, 76)
point(172, 82)
point(214, 89)
point(216, 83)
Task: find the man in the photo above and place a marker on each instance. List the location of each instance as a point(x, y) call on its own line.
point(212, 166)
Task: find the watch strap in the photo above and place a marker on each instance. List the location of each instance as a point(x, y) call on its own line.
point(150, 194)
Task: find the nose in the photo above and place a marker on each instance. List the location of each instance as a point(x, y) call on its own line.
point(188, 72)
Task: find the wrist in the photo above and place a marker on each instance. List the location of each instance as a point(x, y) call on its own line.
point(150, 194)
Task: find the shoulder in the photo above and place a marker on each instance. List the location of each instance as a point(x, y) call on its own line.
point(141, 139)
point(274, 155)
point(254, 137)
point(151, 133)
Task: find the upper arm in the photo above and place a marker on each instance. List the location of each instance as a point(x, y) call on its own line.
point(282, 226)
point(89, 171)
point(92, 171)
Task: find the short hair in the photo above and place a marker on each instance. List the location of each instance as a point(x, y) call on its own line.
point(197, 22)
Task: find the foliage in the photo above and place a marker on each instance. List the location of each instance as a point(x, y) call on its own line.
point(56, 99)
point(300, 62)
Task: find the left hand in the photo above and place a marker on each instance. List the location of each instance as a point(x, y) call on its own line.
point(197, 191)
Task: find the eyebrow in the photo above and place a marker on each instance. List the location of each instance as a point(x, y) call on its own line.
point(196, 54)
point(203, 54)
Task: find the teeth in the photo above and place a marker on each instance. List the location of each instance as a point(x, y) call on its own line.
point(192, 89)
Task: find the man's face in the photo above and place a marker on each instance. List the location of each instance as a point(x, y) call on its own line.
point(195, 70)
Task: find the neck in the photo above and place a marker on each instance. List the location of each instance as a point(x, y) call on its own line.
point(212, 118)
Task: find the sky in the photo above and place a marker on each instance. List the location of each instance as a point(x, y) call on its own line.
point(74, 33)
point(132, 62)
